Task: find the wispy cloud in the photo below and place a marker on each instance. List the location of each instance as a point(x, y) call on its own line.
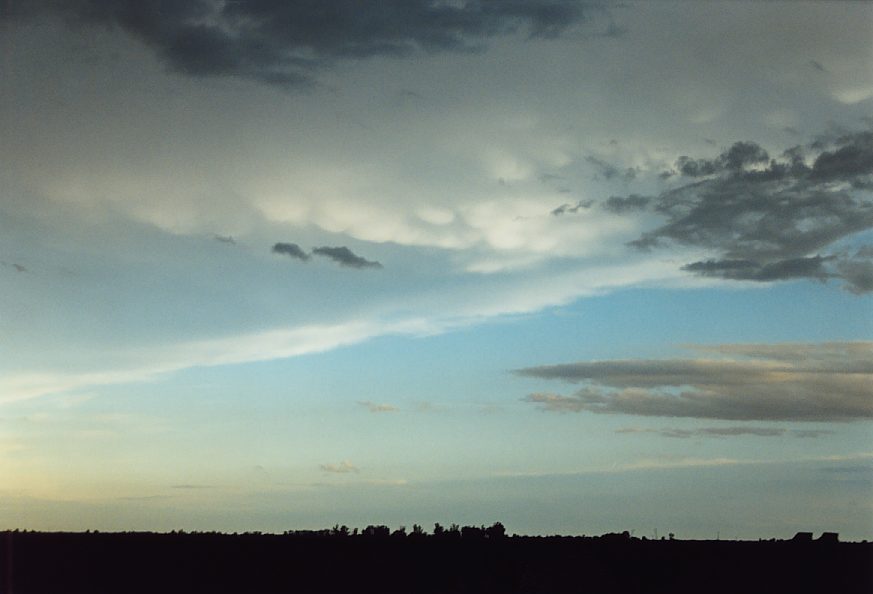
point(343, 467)
point(15, 266)
point(791, 382)
point(729, 432)
point(259, 346)
point(375, 407)
point(224, 239)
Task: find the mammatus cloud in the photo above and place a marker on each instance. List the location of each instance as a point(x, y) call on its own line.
point(790, 382)
point(290, 249)
point(343, 467)
point(287, 43)
point(729, 432)
point(770, 219)
point(375, 407)
point(345, 257)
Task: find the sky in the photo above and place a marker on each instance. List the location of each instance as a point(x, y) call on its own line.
point(577, 267)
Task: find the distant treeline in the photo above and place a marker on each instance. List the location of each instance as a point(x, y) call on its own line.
point(453, 559)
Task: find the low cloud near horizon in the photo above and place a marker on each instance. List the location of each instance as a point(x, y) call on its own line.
point(779, 382)
point(728, 432)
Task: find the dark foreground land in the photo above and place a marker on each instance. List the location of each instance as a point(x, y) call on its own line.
point(475, 562)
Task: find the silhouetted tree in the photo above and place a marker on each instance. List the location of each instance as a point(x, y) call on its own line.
point(376, 531)
point(472, 532)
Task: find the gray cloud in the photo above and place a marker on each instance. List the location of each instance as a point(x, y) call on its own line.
point(290, 249)
point(286, 43)
point(375, 407)
point(568, 209)
point(345, 257)
point(817, 65)
point(609, 171)
point(619, 205)
point(343, 467)
point(225, 239)
point(771, 219)
point(729, 432)
point(793, 382)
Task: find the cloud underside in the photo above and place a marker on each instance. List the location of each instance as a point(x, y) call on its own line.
point(287, 43)
point(770, 219)
point(792, 382)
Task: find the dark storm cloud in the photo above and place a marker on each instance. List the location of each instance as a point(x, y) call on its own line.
point(290, 249)
point(794, 382)
point(749, 270)
point(285, 42)
point(772, 219)
point(345, 257)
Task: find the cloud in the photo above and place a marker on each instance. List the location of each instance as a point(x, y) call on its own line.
point(609, 171)
point(620, 205)
point(14, 266)
point(287, 43)
point(729, 432)
point(374, 407)
point(817, 65)
point(772, 219)
point(343, 467)
point(142, 365)
point(224, 239)
point(290, 249)
point(345, 257)
point(791, 382)
point(566, 208)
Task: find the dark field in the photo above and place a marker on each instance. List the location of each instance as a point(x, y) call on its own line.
point(474, 561)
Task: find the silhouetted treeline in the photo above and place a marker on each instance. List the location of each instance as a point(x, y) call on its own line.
point(452, 559)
